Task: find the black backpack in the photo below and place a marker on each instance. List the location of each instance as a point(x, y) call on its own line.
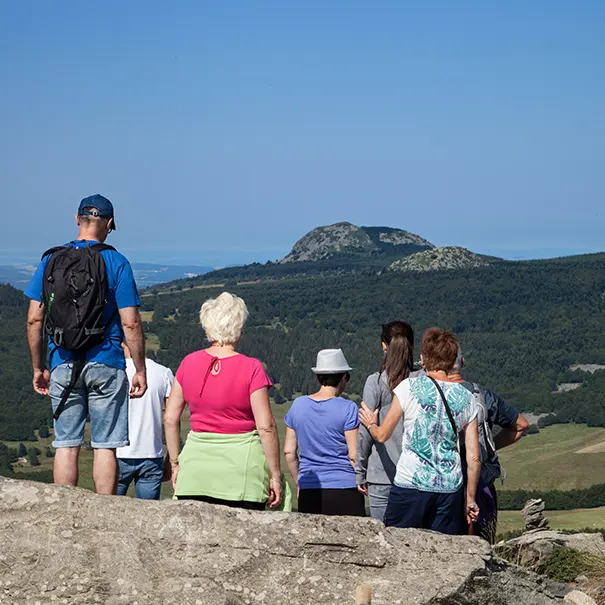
point(74, 292)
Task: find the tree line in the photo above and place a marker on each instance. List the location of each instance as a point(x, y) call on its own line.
point(590, 497)
point(521, 326)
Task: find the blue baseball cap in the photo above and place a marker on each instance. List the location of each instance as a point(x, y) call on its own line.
point(103, 207)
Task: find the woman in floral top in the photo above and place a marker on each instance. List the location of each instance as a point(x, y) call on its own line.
point(428, 491)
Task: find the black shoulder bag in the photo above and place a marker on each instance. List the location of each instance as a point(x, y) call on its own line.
point(448, 411)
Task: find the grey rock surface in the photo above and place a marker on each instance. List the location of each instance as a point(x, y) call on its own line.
point(543, 542)
point(579, 598)
point(67, 545)
point(533, 511)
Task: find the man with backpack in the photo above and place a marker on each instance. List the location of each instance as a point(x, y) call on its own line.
point(493, 411)
point(84, 298)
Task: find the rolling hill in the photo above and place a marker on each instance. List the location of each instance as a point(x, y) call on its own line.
point(522, 326)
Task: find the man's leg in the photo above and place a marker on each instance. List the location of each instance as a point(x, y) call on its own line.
point(148, 481)
point(69, 427)
point(105, 471)
point(108, 408)
point(125, 475)
point(65, 466)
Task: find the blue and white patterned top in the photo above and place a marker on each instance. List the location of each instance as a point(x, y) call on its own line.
point(430, 461)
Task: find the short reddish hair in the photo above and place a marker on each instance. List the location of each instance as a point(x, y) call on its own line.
point(439, 350)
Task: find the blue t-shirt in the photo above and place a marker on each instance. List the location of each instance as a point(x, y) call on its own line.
point(320, 431)
point(122, 293)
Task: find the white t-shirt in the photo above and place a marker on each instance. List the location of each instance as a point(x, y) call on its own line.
point(430, 461)
point(145, 413)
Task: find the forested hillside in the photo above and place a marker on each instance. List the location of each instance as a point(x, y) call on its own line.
point(521, 325)
point(21, 410)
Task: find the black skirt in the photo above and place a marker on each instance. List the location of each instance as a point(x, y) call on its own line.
point(320, 501)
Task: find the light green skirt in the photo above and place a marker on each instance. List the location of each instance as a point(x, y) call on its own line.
point(228, 467)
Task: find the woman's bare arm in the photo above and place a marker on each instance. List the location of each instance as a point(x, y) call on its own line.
point(172, 426)
point(291, 453)
point(351, 438)
point(473, 463)
point(383, 432)
point(265, 425)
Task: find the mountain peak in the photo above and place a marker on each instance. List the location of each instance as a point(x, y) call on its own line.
point(440, 259)
point(344, 238)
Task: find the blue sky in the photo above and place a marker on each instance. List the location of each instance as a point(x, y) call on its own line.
point(236, 126)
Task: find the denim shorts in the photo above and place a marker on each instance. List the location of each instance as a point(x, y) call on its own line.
point(101, 392)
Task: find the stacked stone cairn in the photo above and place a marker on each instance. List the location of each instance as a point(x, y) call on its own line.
point(533, 511)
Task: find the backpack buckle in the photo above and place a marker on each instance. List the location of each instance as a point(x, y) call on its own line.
point(58, 337)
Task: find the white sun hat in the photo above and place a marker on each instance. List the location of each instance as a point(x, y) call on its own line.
point(331, 361)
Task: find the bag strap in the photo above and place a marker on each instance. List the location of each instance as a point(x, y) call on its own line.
point(99, 247)
point(76, 371)
point(447, 407)
point(52, 251)
point(379, 385)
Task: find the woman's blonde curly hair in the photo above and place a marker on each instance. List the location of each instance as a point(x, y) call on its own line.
point(223, 318)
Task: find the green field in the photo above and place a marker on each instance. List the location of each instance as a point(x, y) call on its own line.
point(580, 518)
point(550, 459)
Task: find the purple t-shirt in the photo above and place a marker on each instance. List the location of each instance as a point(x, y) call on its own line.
point(320, 431)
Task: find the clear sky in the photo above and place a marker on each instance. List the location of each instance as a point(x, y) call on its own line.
point(238, 126)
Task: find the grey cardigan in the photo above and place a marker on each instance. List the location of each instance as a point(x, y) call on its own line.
point(377, 462)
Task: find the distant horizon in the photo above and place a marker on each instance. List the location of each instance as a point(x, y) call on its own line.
point(217, 259)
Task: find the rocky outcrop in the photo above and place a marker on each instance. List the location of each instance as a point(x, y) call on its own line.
point(533, 511)
point(535, 547)
point(67, 545)
point(577, 558)
point(440, 259)
point(346, 239)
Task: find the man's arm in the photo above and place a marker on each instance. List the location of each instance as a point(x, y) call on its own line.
point(135, 339)
point(504, 415)
point(37, 346)
point(509, 435)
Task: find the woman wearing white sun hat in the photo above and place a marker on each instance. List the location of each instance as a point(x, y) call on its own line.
point(323, 427)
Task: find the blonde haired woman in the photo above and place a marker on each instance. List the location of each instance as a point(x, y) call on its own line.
point(231, 456)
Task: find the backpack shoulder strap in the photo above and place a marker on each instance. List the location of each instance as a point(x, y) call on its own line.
point(52, 251)
point(478, 390)
point(447, 407)
point(379, 386)
point(101, 247)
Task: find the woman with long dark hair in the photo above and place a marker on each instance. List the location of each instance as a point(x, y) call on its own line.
point(428, 491)
point(377, 462)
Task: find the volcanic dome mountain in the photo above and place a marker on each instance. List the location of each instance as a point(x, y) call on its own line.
point(345, 239)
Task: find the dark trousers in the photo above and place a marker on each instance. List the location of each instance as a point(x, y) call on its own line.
point(320, 501)
point(231, 503)
point(424, 510)
point(487, 501)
